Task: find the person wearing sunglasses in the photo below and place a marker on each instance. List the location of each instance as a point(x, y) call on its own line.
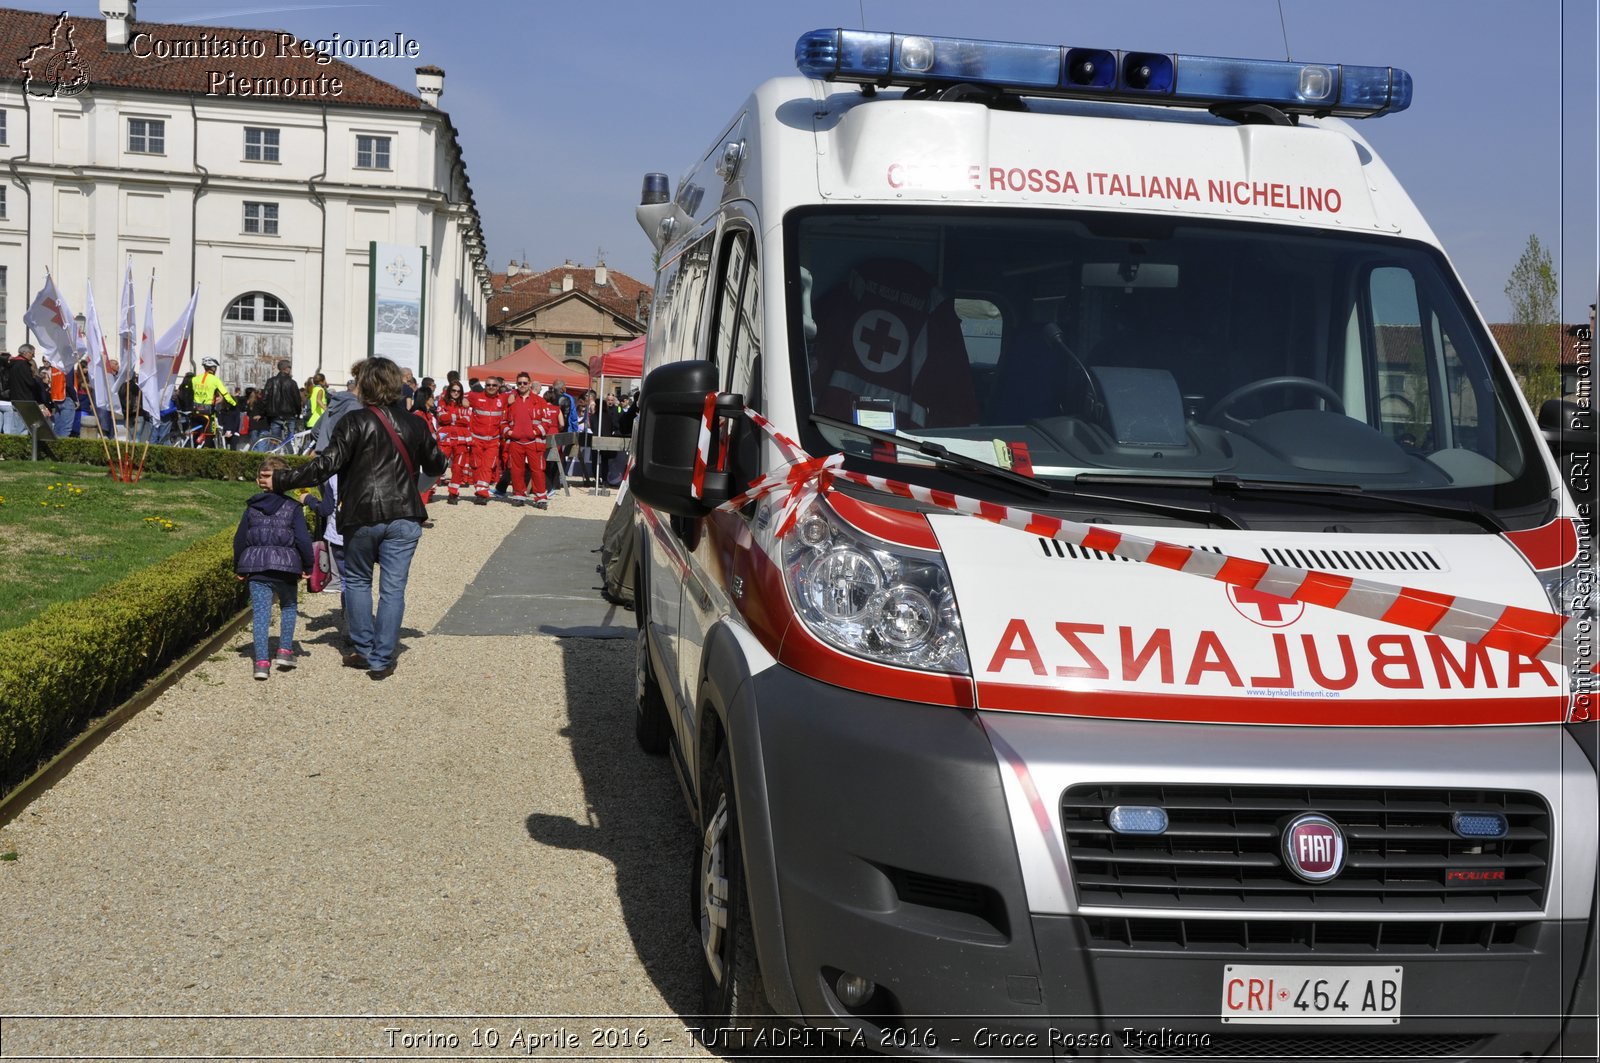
point(454, 420)
point(488, 421)
point(526, 426)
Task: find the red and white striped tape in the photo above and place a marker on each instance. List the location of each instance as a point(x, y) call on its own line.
point(1515, 629)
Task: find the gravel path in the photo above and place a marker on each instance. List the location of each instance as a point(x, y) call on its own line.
point(477, 836)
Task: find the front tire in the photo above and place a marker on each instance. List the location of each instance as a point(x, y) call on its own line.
point(732, 995)
point(650, 723)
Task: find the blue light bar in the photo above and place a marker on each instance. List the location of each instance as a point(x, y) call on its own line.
point(908, 60)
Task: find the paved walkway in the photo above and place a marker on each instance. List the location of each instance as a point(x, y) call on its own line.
point(476, 836)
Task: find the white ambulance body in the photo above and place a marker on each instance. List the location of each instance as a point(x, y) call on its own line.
point(1302, 778)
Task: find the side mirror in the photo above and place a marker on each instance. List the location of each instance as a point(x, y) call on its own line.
point(667, 433)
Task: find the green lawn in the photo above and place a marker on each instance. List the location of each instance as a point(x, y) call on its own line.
point(68, 530)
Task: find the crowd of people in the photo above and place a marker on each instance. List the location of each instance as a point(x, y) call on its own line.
point(22, 377)
point(497, 448)
point(383, 446)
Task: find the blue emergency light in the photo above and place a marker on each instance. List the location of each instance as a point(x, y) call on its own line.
point(885, 59)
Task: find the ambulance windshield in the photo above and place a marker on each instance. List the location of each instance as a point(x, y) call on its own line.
point(1114, 345)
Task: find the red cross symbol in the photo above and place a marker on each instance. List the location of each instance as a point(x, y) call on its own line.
point(882, 345)
point(1268, 610)
point(880, 341)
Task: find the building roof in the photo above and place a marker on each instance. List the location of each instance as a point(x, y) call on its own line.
point(76, 53)
point(523, 293)
point(1561, 346)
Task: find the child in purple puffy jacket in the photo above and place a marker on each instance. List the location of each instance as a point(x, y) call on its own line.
point(272, 551)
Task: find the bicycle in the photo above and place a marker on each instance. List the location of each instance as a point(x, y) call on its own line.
point(299, 443)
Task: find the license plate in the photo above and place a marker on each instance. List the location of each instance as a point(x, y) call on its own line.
point(1348, 996)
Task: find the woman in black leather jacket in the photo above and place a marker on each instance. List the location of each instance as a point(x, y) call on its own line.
point(377, 452)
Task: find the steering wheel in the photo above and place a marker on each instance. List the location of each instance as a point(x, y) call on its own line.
point(1274, 383)
point(1092, 403)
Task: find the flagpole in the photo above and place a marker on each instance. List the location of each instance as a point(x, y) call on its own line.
point(111, 403)
point(106, 447)
point(155, 369)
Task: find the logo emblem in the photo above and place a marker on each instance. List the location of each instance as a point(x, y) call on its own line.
point(53, 68)
point(1265, 609)
point(1313, 847)
point(882, 341)
point(399, 270)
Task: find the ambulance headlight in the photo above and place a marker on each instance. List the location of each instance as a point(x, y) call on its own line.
point(840, 582)
point(881, 601)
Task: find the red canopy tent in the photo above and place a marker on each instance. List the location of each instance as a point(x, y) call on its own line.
point(620, 362)
point(537, 362)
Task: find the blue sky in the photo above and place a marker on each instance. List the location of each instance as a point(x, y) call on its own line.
point(563, 107)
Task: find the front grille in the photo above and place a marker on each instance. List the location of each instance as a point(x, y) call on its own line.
point(1334, 1048)
point(1056, 548)
point(1221, 850)
point(1366, 560)
point(1288, 937)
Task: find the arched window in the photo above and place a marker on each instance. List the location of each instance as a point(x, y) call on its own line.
point(258, 308)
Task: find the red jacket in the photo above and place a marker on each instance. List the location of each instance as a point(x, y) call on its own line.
point(488, 415)
point(528, 419)
point(454, 423)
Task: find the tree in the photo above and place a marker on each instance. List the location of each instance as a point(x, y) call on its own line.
point(1534, 344)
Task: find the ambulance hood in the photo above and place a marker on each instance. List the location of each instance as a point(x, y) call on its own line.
point(1054, 628)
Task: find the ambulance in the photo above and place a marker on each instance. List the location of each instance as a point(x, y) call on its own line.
point(1100, 588)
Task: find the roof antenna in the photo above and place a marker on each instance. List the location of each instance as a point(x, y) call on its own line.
point(1285, 26)
point(863, 5)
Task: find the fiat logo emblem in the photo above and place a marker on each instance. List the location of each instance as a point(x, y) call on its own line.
point(1313, 847)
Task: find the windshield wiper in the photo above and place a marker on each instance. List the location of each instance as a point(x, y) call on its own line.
point(936, 452)
point(1353, 495)
point(957, 462)
point(1471, 512)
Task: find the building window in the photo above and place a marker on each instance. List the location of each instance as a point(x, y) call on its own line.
point(2, 201)
point(258, 307)
point(372, 153)
point(147, 136)
point(574, 349)
point(260, 145)
point(261, 219)
point(2, 127)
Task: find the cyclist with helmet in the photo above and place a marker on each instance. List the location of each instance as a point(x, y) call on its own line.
point(209, 390)
point(209, 396)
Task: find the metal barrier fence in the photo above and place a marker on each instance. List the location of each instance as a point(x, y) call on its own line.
point(566, 449)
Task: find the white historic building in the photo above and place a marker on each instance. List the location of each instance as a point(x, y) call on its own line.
point(239, 160)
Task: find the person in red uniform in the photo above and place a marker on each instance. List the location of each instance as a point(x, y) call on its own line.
point(527, 424)
point(454, 421)
point(488, 424)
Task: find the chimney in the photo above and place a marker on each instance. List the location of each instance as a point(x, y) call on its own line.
point(430, 83)
point(600, 275)
point(566, 282)
point(119, 21)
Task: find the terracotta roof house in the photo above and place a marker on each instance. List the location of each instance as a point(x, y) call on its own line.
point(573, 311)
point(244, 161)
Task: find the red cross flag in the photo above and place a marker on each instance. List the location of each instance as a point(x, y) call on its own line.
point(50, 321)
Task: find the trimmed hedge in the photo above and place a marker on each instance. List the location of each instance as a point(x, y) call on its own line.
point(80, 659)
point(173, 461)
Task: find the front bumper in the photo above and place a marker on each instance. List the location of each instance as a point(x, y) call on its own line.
point(897, 859)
